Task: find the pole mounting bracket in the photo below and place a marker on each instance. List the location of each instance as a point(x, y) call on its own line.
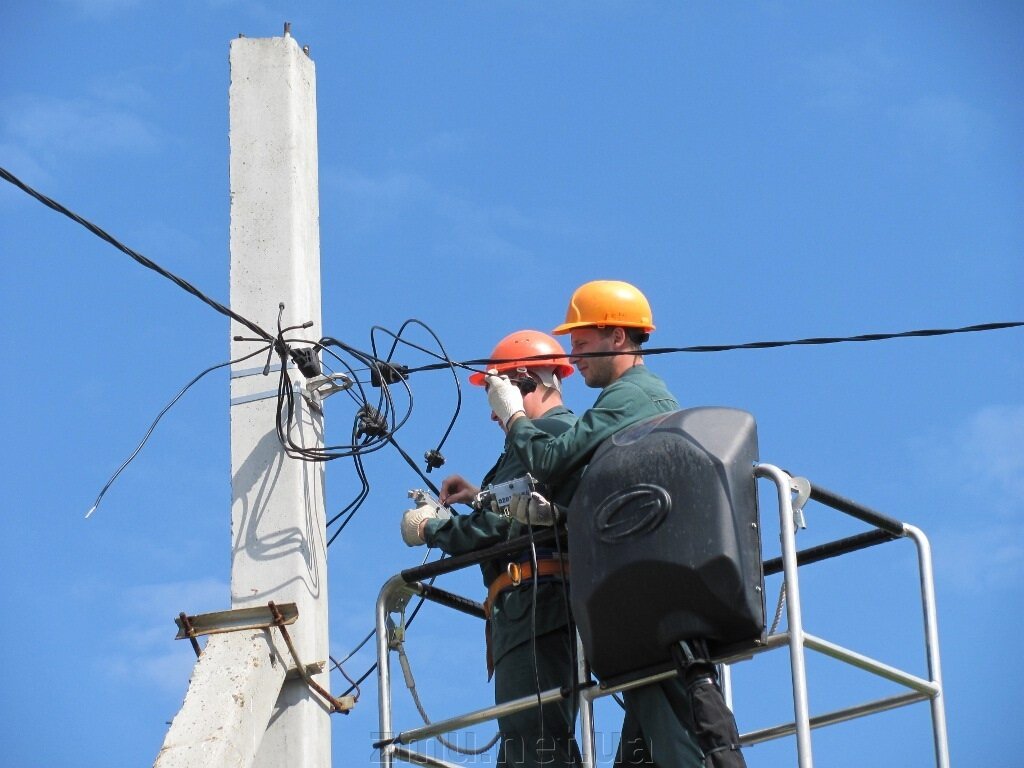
point(261, 617)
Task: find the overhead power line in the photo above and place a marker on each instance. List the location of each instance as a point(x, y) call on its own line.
point(729, 347)
point(185, 285)
point(148, 263)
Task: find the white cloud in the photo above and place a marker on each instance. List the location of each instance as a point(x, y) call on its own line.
point(993, 452)
point(77, 125)
point(977, 557)
point(147, 651)
point(847, 80)
point(980, 469)
point(481, 230)
point(947, 122)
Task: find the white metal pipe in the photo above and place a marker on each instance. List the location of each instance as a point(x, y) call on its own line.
point(831, 718)
point(417, 758)
point(931, 638)
point(586, 706)
point(870, 665)
point(478, 716)
point(725, 674)
point(387, 594)
point(801, 709)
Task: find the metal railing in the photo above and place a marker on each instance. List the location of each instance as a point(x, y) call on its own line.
point(401, 588)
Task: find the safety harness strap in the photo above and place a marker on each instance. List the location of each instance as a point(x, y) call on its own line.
point(517, 573)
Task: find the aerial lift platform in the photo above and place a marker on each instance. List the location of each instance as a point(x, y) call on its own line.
point(792, 493)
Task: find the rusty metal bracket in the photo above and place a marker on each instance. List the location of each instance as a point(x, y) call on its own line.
point(345, 703)
point(186, 625)
point(261, 617)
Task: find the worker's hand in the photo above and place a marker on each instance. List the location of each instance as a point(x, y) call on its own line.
point(533, 510)
point(504, 397)
point(455, 489)
point(413, 521)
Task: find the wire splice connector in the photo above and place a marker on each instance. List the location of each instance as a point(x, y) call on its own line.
point(388, 373)
point(434, 459)
point(371, 422)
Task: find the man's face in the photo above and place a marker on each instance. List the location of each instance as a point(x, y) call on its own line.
point(597, 372)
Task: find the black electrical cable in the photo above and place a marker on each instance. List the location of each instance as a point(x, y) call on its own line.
point(569, 624)
point(533, 627)
point(444, 354)
point(286, 411)
point(353, 506)
point(159, 416)
point(149, 264)
point(337, 666)
point(382, 418)
point(749, 345)
point(411, 463)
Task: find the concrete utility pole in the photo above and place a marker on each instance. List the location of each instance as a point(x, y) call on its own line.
point(240, 709)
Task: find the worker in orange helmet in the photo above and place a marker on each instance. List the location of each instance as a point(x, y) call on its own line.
point(608, 321)
point(530, 642)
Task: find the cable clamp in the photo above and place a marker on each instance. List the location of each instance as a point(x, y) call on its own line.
point(319, 388)
point(396, 632)
point(801, 486)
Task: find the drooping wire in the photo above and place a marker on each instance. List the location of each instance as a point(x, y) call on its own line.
point(451, 365)
point(156, 421)
point(349, 511)
point(337, 665)
point(144, 261)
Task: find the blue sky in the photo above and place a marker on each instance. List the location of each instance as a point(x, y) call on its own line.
point(767, 170)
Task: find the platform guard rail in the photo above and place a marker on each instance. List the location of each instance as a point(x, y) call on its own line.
point(397, 592)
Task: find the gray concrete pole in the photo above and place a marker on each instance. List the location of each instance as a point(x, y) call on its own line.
point(240, 709)
point(277, 511)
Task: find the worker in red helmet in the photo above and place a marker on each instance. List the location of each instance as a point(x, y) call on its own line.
point(608, 321)
point(530, 643)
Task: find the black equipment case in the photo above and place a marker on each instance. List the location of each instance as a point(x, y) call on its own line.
point(664, 540)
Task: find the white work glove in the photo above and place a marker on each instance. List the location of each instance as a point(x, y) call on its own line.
point(413, 519)
point(533, 510)
point(504, 397)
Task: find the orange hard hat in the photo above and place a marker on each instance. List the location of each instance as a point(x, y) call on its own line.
point(607, 303)
point(513, 348)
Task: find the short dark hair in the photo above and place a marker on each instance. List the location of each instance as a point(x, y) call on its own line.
point(636, 336)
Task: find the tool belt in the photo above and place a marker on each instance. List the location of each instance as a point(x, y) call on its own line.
point(516, 573)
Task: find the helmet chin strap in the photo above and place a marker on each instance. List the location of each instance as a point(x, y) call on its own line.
point(548, 378)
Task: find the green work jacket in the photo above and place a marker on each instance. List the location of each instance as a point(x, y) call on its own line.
point(636, 395)
point(511, 614)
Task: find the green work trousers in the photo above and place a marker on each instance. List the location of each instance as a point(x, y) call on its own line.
point(537, 738)
point(656, 730)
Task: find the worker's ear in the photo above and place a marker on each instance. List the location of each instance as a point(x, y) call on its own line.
point(619, 336)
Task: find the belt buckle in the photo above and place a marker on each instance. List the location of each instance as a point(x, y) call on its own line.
point(515, 573)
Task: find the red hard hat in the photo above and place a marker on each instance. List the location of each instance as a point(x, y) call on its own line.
point(513, 348)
